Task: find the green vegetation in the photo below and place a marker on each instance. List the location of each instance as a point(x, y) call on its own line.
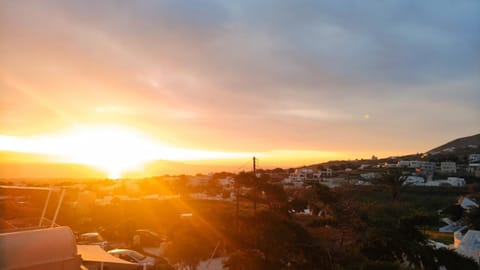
point(384, 226)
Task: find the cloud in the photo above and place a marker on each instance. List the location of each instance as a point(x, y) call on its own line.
point(224, 65)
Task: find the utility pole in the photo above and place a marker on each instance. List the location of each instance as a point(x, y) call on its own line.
point(255, 186)
point(237, 199)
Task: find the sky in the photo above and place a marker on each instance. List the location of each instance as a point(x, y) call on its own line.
point(293, 82)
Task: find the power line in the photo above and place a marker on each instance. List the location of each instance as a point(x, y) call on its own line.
point(243, 166)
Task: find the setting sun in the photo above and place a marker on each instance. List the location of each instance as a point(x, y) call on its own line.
point(227, 135)
point(112, 149)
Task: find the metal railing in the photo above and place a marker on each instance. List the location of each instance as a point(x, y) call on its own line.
point(43, 220)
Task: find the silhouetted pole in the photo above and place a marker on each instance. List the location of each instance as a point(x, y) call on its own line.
point(237, 195)
point(255, 187)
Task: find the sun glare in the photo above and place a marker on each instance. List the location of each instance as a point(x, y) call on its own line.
point(112, 149)
point(114, 175)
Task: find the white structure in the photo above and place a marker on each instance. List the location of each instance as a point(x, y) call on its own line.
point(362, 183)
point(468, 245)
point(307, 175)
point(466, 203)
point(403, 164)
point(370, 175)
point(227, 182)
point(448, 167)
point(474, 158)
point(414, 180)
point(474, 168)
point(451, 226)
point(94, 257)
point(456, 181)
point(389, 165)
point(364, 166)
point(451, 181)
point(52, 248)
point(427, 167)
point(413, 164)
point(449, 149)
point(326, 172)
point(301, 175)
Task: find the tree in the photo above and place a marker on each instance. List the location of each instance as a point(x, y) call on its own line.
point(181, 184)
point(244, 260)
point(393, 182)
point(272, 240)
point(392, 234)
point(452, 260)
point(473, 218)
point(454, 212)
point(214, 187)
point(188, 247)
point(274, 196)
point(244, 179)
point(284, 243)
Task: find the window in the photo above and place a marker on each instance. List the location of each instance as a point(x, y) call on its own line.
point(127, 258)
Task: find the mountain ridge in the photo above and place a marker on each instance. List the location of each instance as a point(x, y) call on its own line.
point(462, 144)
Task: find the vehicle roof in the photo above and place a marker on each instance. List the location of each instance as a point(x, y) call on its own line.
point(90, 234)
point(146, 230)
point(49, 245)
point(121, 250)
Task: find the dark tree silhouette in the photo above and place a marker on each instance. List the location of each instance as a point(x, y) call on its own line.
point(393, 182)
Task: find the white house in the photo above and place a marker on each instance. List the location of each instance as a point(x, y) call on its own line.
point(403, 164)
point(427, 167)
point(370, 175)
point(307, 175)
point(226, 182)
point(389, 165)
point(450, 181)
point(468, 245)
point(300, 175)
point(448, 167)
point(414, 180)
point(456, 181)
point(474, 168)
point(320, 173)
point(364, 166)
point(415, 164)
point(467, 203)
point(424, 166)
point(474, 158)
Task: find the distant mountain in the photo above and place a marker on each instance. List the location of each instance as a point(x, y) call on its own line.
point(44, 170)
point(162, 167)
point(460, 146)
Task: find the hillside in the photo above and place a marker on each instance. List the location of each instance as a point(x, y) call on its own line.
point(460, 146)
point(457, 150)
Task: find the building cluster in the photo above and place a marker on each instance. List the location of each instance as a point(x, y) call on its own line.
point(308, 175)
point(474, 164)
point(465, 240)
point(416, 172)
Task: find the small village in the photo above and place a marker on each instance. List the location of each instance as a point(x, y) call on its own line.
point(142, 222)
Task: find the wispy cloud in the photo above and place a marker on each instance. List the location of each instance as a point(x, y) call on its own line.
point(250, 69)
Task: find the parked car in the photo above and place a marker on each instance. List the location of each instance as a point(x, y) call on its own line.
point(147, 238)
point(133, 257)
point(140, 259)
point(93, 238)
